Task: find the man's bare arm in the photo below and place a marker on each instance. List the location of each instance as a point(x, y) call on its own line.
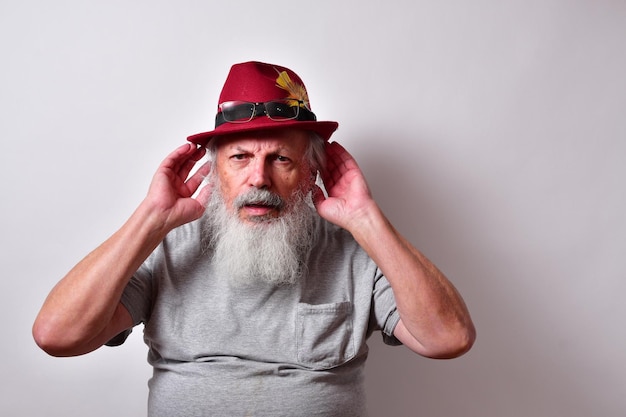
point(83, 311)
point(434, 320)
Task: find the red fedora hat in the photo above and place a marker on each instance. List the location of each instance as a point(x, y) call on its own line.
point(256, 96)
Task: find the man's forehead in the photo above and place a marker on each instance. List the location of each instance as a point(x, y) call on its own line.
point(256, 141)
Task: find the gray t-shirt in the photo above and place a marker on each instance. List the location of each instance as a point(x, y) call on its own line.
point(221, 348)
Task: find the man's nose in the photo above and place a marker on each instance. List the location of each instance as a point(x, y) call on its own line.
point(259, 175)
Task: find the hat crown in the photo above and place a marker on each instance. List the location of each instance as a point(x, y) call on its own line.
point(260, 82)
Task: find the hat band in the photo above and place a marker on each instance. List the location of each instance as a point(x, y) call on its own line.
point(276, 111)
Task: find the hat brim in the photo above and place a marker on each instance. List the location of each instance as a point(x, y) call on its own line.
point(324, 129)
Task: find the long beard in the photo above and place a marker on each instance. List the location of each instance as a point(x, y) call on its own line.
point(272, 250)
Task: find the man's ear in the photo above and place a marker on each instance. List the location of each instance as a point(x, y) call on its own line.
point(315, 175)
point(312, 180)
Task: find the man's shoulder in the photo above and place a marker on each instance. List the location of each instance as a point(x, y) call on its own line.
point(329, 231)
point(189, 235)
point(334, 241)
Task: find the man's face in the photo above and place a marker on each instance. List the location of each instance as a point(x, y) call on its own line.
point(271, 160)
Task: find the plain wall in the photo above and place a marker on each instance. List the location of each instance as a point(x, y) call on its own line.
point(492, 133)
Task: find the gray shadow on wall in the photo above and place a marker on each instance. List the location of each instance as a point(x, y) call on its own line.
point(506, 373)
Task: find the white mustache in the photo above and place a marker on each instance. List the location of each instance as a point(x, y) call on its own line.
point(259, 196)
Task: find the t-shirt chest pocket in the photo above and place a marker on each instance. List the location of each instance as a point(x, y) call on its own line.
point(324, 334)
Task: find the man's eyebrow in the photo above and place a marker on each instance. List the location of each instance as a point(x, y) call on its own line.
point(277, 151)
point(240, 149)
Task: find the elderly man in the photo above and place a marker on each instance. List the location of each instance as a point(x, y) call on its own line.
point(257, 289)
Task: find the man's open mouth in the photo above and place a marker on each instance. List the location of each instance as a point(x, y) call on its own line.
point(260, 205)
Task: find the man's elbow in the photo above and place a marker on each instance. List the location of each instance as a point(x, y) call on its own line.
point(440, 343)
point(454, 344)
point(52, 341)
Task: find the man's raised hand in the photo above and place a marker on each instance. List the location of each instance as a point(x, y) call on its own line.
point(171, 190)
point(349, 198)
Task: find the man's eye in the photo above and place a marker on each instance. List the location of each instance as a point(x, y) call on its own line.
point(281, 158)
point(239, 157)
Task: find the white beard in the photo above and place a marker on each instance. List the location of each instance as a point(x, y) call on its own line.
point(271, 250)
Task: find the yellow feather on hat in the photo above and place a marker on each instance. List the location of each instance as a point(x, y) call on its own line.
point(296, 91)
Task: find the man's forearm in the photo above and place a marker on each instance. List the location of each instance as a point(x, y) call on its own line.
point(82, 305)
point(431, 309)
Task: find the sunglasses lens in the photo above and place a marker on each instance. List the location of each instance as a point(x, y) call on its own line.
point(282, 110)
point(237, 111)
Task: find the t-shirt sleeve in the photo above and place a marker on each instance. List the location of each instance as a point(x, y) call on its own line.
point(137, 296)
point(384, 311)
point(137, 300)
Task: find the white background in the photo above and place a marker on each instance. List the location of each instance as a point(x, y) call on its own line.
point(493, 134)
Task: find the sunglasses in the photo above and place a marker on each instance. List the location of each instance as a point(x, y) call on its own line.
point(277, 110)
